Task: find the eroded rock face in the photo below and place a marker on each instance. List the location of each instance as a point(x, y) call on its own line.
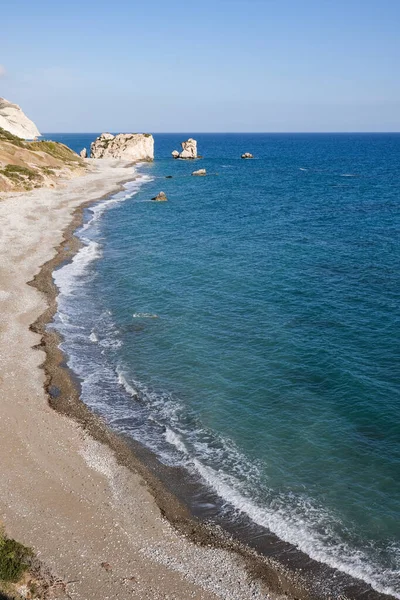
point(83, 153)
point(247, 155)
point(200, 172)
point(189, 150)
point(14, 120)
point(161, 197)
point(129, 146)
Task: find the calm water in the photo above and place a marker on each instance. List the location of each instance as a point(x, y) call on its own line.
point(249, 330)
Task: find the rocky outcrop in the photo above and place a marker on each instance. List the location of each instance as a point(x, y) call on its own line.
point(14, 120)
point(129, 146)
point(200, 172)
point(247, 155)
point(189, 150)
point(83, 153)
point(161, 197)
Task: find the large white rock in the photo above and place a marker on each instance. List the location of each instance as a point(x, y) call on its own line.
point(15, 121)
point(189, 149)
point(130, 146)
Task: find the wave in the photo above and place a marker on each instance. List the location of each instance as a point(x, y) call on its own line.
point(295, 519)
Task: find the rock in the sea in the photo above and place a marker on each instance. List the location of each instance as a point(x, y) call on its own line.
point(247, 155)
point(83, 153)
point(161, 197)
point(200, 172)
point(189, 150)
point(12, 119)
point(129, 146)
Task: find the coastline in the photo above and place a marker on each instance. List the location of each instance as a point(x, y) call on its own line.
point(136, 467)
point(91, 521)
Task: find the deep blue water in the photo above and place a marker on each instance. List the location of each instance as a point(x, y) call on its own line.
point(256, 314)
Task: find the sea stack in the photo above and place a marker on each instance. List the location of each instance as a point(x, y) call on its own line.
point(14, 120)
point(129, 146)
point(189, 150)
point(83, 153)
point(247, 155)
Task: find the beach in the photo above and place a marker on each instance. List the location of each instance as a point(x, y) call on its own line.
point(90, 520)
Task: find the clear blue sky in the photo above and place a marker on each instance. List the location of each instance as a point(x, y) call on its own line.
point(210, 65)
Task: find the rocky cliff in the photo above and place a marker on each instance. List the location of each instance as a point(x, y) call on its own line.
point(14, 120)
point(129, 146)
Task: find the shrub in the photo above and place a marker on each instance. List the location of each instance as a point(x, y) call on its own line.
point(9, 137)
point(13, 559)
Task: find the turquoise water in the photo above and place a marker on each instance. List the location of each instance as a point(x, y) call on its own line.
point(248, 329)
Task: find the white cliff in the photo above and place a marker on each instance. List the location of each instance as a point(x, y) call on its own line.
point(14, 120)
point(189, 150)
point(129, 146)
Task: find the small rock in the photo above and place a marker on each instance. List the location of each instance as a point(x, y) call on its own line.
point(161, 197)
point(247, 155)
point(168, 177)
point(106, 566)
point(175, 154)
point(83, 153)
point(200, 172)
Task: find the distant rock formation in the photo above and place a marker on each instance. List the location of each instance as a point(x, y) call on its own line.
point(15, 121)
point(200, 172)
point(247, 155)
point(83, 153)
point(189, 150)
point(161, 197)
point(129, 146)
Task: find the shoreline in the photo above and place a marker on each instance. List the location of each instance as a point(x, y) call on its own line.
point(292, 578)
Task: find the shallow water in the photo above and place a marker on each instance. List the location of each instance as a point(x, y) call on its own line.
point(249, 329)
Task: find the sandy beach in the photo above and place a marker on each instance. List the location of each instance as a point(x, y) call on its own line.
point(92, 521)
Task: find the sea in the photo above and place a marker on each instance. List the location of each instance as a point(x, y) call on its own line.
point(248, 331)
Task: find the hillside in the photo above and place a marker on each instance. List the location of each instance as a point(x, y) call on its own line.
point(26, 165)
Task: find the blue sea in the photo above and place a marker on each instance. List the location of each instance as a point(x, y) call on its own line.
point(248, 330)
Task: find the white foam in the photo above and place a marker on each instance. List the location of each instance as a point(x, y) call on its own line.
point(144, 316)
point(123, 381)
point(174, 439)
point(130, 189)
point(68, 276)
point(301, 529)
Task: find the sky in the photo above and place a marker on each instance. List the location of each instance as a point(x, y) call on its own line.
point(203, 66)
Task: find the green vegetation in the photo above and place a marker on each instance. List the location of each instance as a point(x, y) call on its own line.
point(21, 175)
point(9, 137)
point(14, 559)
point(55, 149)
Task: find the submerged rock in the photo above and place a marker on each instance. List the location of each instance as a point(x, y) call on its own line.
point(14, 120)
point(129, 146)
point(161, 197)
point(200, 172)
point(247, 155)
point(83, 153)
point(189, 150)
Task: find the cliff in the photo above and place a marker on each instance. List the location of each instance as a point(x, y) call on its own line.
point(26, 165)
point(14, 120)
point(128, 146)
